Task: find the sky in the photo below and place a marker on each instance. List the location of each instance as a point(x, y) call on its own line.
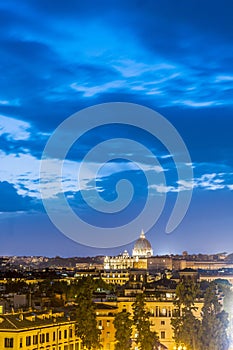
point(60, 58)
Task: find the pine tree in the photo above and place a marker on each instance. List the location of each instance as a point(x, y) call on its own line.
point(214, 322)
point(185, 325)
point(123, 326)
point(86, 323)
point(146, 339)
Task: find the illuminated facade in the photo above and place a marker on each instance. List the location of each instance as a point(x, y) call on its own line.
point(161, 313)
point(141, 252)
point(56, 331)
point(44, 330)
point(142, 247)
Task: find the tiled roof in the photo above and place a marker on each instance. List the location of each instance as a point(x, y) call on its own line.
point(31, 320)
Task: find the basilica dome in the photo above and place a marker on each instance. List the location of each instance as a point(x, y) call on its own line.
point(142, 247)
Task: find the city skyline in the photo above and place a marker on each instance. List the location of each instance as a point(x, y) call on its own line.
point(173, 58)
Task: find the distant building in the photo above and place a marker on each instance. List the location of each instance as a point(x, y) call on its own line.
point(142, 250)
point(158, 263)
point(142, 247)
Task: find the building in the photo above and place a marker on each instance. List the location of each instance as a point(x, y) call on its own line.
point(119, 262)
point(115, 277)
point(142, 250)
point(161, 312)
point(159, 263)
point(142, 247)
point(38, 330)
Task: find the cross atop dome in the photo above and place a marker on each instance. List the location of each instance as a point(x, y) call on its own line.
point(142, 235)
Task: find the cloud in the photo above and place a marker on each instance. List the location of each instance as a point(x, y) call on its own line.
point(14, 129)
point(54, 65)
point(11, 201)
point(208, 182)
point(196, 103)
point(224, 78)
point(22, 170)
point(89, 91)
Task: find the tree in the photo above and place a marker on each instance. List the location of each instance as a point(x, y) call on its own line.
point(186, 325)
point(146, 339)
point(123, 326)
point(214, 322)
point(86, 323)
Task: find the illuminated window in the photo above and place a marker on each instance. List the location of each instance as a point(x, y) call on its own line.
point(35, 339)
point(164, 311)
point(42, 338)
point(28, 341)
point(163, 335)
point(9, 342)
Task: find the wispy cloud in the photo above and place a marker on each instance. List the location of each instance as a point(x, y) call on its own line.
point(15, 129)
point(196, 104)
point(89, 91)
point(224, 78)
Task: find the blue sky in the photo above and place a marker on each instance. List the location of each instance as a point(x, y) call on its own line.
point(60, 57)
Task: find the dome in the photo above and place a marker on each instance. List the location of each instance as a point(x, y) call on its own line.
point(142, 247)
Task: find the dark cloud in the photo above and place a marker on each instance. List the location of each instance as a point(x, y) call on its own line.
point(11, 201)
point(60, 57)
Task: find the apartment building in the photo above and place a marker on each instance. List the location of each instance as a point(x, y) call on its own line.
point(40, 330)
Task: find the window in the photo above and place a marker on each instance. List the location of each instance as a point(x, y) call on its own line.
point(164, 311)
point(28, 341)
point(47, 337)
point(162, 323)
point(42, 338)
point(21, 342)
point(71, 347)
point(54, 336)
point(65, 347)
point(35, 339)
point(108, 334)
point(162, 335)
point(65, 333)
point(108, 323)
point(9, 342)
point(59, 335)
point(77, 346)
point(70, 333)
